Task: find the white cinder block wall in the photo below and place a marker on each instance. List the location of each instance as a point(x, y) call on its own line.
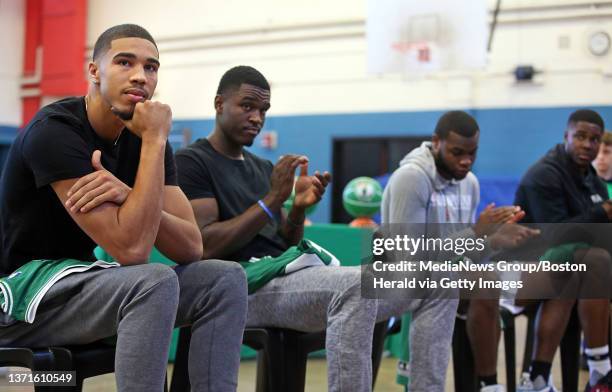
point(314, 54)
point(12, 37)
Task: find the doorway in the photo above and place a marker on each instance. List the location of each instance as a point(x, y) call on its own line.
point(375, 157)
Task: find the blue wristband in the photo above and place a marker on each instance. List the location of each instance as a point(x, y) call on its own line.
point(266, 210)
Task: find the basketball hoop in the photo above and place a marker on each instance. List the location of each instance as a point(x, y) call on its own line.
point(416, 37)
point(421, 55)
point(420, 51)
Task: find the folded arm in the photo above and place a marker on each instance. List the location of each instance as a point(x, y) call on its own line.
point(178, 237)
point(128, 231)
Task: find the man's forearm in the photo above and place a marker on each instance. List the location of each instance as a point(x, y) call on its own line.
point(221, 239)
point(139, 216)
point(178, 239)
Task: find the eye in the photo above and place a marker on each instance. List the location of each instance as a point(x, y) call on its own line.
point(123, 63)
point(247, 107)
point(150, 68)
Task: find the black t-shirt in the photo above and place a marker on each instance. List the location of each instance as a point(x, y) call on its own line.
point(236, 185)
point(56, 145)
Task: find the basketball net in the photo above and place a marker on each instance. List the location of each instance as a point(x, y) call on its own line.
point(418, 56)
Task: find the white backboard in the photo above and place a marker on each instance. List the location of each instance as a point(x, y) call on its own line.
point(406, 36)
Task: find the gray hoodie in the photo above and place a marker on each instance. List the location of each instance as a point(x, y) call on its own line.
point(416, 193)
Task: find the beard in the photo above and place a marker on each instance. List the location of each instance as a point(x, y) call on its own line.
point(442, 166)
point(124, 115)
point(444, 169)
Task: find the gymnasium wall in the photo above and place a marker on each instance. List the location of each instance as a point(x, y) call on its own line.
point(315, 58)
point(12, 14)
point(314, 55)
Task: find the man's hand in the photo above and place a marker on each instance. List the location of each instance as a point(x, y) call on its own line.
point(511, 235)
point(309, 189)
point(281, 181)
point(491, 218)
point(607, 206)
point(150, 120)
point(96, 188)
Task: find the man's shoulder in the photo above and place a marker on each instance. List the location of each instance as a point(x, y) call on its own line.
point(470, 184)
point(199, 150)
point(545, 166)
point(67, 110)
point(412, 170)
point(471, 180)
point(408, 175)
point(407, 181)
point(56, 117)
point(548, 172)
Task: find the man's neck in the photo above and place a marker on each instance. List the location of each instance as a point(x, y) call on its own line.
point(102, 120)
point(582, 170)
point(224, 145)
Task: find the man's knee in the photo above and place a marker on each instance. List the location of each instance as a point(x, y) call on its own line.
point(592, 256)
point(597, 262)
point(225, 276)
point(349, 286)
point(154, 286)
point(231, 274)
point(147, 276)
point(348, 282)
point(598, 272)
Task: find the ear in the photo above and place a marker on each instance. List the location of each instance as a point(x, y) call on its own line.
point(218, 104)
point(93, 72)
point(435, 143)
point(565, 136)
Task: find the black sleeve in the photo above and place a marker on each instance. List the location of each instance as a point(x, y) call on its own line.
point(193, 177)
point(56, 151)
point(545, 197)
point(170, 166)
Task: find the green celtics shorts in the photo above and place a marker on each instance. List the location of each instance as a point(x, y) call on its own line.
point(563, 253)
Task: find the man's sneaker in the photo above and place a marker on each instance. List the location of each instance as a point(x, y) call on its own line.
point(538, 385)
point(493, 388)
point(603, 385)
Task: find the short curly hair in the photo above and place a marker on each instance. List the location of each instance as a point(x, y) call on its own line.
point(586, 115)
point(456, 121)
point(236, 76)
point(103, 43)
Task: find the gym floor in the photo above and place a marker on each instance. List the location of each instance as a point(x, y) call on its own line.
point(316, 377)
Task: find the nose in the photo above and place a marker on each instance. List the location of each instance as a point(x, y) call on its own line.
point(138, 75)
point(256, 117)
point(466, 162)
point(587, 146)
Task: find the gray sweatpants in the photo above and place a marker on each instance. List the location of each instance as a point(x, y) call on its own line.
point(141, 304)
point(318, 298)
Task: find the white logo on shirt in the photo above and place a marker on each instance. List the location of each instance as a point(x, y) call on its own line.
point(596, 198)
point(451, 201)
